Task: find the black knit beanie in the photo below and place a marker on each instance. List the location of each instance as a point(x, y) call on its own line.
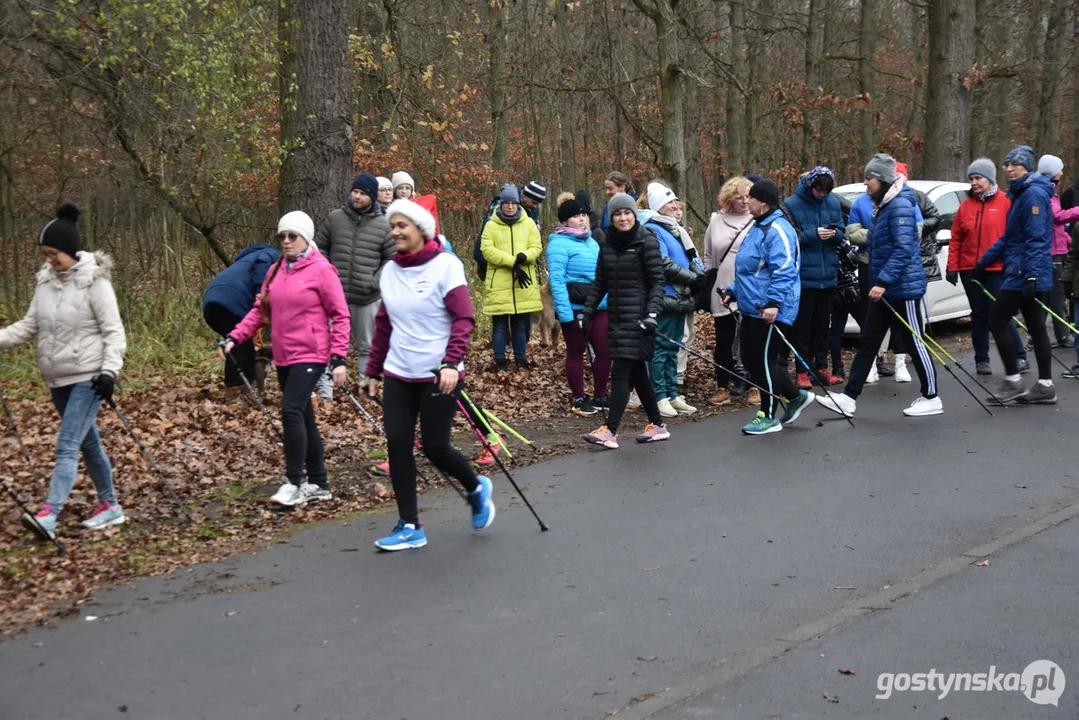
point(570, 208)
point(62, 232)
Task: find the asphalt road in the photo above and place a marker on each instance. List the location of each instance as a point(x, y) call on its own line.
point(714, 575)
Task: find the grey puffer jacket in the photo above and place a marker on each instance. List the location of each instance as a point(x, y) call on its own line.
point(76, 320)
point(358, 245)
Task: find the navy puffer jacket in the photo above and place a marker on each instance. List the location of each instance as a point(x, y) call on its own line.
point(1027, 243)
point(235, 287)
point(895, 257)
point(819, 259)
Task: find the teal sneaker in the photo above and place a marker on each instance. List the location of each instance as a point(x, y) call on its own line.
point(46, 520)
point(106, 515)
point(762, 425)
point(483, 508)
point(405, 536)
point(796, 406)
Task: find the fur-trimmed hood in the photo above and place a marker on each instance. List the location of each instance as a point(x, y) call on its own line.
point(88, 268)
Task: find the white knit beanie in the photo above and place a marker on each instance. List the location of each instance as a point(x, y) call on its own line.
point(1050, 166)
point(415, 212)
point(298, 222)
point(402, 178)
point(659, 195)
point(384, 183)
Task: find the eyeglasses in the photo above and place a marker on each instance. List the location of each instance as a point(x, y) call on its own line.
point(52, 254)
point(290, 236)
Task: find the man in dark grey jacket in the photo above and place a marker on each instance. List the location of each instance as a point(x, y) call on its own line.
point(356, 240)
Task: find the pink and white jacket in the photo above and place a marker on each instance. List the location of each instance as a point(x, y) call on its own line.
point(303, 297)
point(1061, 239)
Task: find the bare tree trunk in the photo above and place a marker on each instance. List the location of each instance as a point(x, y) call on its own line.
point(693, 189)
point(316, 107)
point(947, 116)
point(866, 23)
point(766, 10)
point(672, 160)
point(1054, 66)
point(496, 40)
point(812, 81)
point(918, 90)
point(736, 129)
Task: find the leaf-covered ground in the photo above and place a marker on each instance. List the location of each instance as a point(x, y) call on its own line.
point(224, 461)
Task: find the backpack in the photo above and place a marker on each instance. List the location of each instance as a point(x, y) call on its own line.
point(477, 255)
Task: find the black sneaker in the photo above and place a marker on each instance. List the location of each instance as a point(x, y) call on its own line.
point(1024, 366)
point(501, 364)
point(582, 406)
point(982, 368)
point(1039, 395)
point(883, 368)
point(524, 363)
point(1072, 373)
point(601, 402)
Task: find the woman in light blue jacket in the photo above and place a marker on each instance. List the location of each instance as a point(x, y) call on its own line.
point(571, 265)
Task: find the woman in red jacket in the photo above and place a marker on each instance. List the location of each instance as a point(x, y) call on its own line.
point(978, 224)
point(310, 329)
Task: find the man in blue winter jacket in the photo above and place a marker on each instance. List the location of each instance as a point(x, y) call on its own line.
point(1027, 251)
point(896, 275)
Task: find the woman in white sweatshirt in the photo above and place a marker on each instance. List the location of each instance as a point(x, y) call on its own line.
point(80, 350)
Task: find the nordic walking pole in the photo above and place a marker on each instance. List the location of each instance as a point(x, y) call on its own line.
point(149, 457)
point(502, 467)
point(944, 364)
point(491, 416)
point(590, 353)
point(812, 372)
point(1024, 328)
point(779, 398)
point(28, 517)
point(254, 394)
point(486, 425)
point(1048, 310)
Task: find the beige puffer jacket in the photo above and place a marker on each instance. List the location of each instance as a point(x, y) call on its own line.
point(76, 320)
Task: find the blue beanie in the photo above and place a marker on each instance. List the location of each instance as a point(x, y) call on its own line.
point(367, 184)
point(509, 194)
point(1021, 155)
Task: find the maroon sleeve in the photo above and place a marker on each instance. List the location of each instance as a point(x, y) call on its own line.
point(380, 343)
point(459, 305)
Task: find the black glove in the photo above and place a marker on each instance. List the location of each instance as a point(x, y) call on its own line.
point(849, 252)
point(650, 325)
point(1030, 288)
point(952, 277)
point(521, 259)
point(336, 361)
point(103, 385)
point(979, 273)
point(581, 321)
point(521, 277)
point(698, 283)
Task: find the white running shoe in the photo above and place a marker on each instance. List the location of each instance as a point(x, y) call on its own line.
point(634, 401)
point(924, 406)
point(679, 403)
point(839, 403)
point(311, 491)
point(874, 376)
point(288, 495)
point(902, 375)
point(666, 409)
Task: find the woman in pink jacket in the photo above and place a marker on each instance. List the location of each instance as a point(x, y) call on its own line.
point(310, 329)
point(1053, 167)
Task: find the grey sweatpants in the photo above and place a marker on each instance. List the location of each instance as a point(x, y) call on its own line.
point(362, 318)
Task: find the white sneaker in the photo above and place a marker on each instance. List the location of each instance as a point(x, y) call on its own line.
point(924, 406)
point(288, 495)
point(634, 401)
point(874, 376)
point(839, 403)
point(666, 409)
point(679, 403)
point(902, 375)
point(311, 491)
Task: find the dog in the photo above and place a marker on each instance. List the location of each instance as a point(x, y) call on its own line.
point(547, 320)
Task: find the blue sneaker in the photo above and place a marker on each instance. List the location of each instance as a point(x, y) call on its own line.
point(405, 536)
point(762, 425)
point(796, 406)
point(483, 508)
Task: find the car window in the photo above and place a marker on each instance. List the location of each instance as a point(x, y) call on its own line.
point(947, 205)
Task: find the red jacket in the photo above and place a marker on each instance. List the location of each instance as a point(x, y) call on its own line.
point(976, 227)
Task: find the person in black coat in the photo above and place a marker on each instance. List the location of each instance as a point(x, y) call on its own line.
point(630, 273)
point(229, 297)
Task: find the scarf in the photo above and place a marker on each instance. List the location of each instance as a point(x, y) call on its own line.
point(579, 233)
point(984, 197)
point(892, 194)
point(679, 232)
point(621, 240)
point(509, 220)
point(305, 253)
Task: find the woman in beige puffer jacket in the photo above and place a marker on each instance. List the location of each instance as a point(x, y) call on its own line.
point(80, 351)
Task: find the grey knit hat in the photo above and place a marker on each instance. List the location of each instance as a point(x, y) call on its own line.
point(621, 201)
point(985, 167)
point(882, 167)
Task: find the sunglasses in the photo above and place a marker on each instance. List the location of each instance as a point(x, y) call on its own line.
point(291, 236)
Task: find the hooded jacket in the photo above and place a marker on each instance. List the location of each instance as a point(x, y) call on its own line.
point(895, 260)
point(766, 271)
point(303, 299)
point(235, 287)
point(630, 273)
point(76, 320)
point(819, 261)
point(500, 243)
point(978, 224)
point(1061, 239)
point(358, 245)
point(1027, 243)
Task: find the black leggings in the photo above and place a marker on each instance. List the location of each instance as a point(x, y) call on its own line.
point(760, 353)
point(726, 329)
point(625, 373)
point(1008, 303)
point(402, 403)
point(303, 444)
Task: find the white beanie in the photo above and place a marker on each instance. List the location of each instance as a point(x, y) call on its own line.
point(1050, 166)
point(415, 212)
point(384, 183)
point(659, 195)
point(402, 178)
point(298, 222)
